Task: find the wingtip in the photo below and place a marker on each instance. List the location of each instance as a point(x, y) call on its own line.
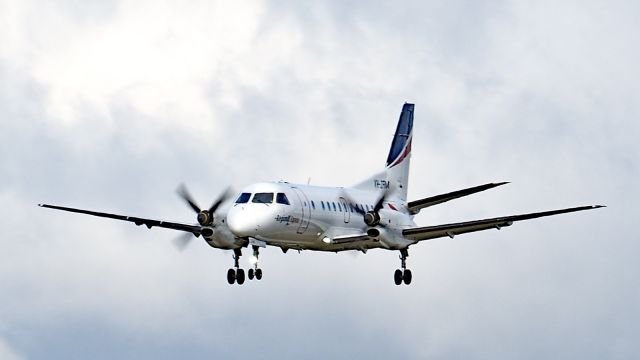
point(501, 183)
point(599, 206)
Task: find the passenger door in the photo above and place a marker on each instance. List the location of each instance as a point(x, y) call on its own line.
point(305, 210)
point(347, 210)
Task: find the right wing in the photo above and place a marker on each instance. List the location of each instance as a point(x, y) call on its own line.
point(149, 223)
point(450, 230)
point(416, 206)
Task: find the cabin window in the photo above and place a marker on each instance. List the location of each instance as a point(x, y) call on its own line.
point(334, 206)
point(313, 205)
point(263, 198)
point(339, 207)
point(322, 203)
point(281, 198)
point(243, 198)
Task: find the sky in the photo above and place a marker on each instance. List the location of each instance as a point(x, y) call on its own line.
point(110, 105)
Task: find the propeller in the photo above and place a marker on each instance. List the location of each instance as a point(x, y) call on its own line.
point(205, 217)
point(371, 218)
point(182, 241)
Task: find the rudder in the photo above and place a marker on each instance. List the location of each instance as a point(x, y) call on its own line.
point(395, 177)
point(398, 161)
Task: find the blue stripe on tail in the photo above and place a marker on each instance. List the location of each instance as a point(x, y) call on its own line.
point(401, 140)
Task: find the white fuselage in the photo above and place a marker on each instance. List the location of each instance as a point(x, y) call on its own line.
point(305, 217)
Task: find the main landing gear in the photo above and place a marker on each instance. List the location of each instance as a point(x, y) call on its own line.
point(405, 274)
point(236, 274)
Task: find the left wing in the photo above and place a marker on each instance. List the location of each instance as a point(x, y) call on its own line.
point(149, 223)
point(450, 230)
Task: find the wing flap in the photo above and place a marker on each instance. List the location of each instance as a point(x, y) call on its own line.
point(345, 239)
point(149, 223)
point(438, 231)
point(417, 205)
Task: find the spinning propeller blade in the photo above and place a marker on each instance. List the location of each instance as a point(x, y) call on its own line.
point(221, 199)
point(184, 194)
point(182, 241)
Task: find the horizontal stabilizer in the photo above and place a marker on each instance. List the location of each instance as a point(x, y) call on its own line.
point(416, 206)
point(451, 230)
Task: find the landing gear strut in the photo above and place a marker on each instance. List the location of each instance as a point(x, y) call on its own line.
point(237, 274)
point(256, 272)
point(405, 274)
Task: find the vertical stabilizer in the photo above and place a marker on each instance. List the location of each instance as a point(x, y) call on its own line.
point(395, 177)
point(399, 157)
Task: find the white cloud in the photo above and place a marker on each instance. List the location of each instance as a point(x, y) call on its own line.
point(7, 352)
point(111, 105)
point(158, 59)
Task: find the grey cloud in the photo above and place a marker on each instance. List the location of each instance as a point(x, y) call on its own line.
point(541, 94)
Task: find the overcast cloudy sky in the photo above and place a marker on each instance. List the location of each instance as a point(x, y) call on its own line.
point(109, 105)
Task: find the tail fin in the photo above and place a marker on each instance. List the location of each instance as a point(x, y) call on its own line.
point(399, 157)
point(396, 174)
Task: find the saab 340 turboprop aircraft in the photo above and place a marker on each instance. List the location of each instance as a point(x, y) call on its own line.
point(370, 215)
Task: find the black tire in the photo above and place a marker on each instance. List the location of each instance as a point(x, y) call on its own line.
point(397, 277)
point(231, 276)
point(250, 274)
point(259, 274)
point(240, 277)
point(406, 277)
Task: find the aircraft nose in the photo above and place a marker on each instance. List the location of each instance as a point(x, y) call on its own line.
point(238, 224)
point(247, 220)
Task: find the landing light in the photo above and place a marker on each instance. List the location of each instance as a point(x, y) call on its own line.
point(326, 240)
point(253, 260)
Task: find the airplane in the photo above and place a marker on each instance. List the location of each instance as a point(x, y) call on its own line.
point(373, 214)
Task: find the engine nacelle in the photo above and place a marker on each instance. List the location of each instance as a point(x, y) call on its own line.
point(207, 232)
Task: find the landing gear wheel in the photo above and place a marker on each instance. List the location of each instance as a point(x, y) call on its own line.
point(406, 277)
point(397, 277)
point(259, 274)
point(250, 274)
point(240, 276)
point(405, 274)
point(231, 276)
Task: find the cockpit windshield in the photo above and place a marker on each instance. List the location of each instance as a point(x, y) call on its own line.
point(263, 198)
point(243, 198)
point(281, 198)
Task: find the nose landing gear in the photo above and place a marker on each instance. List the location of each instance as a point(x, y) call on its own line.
point(256, 272)
point(403, 275)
